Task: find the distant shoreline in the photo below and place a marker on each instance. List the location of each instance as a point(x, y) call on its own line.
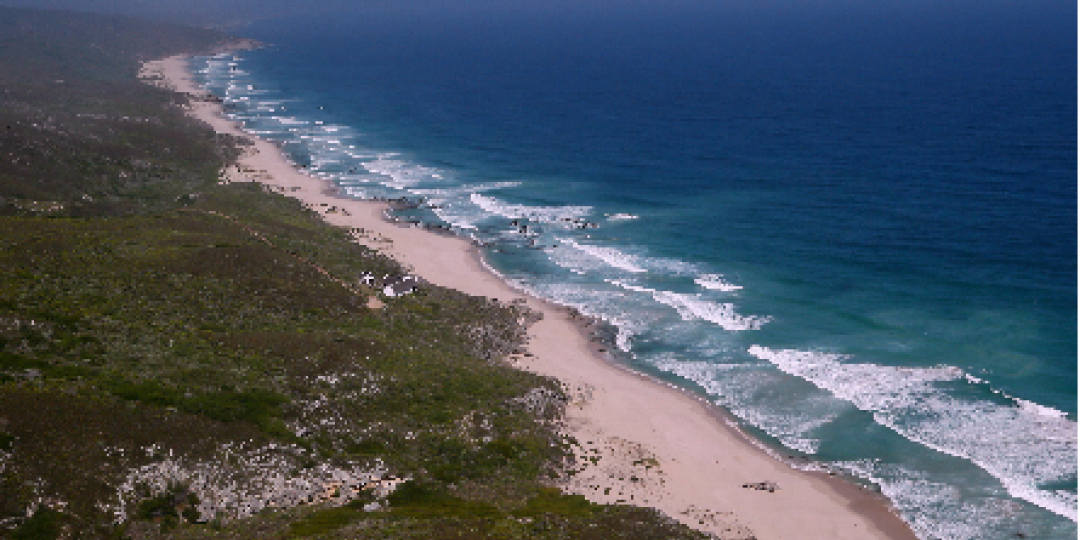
point(658, 446)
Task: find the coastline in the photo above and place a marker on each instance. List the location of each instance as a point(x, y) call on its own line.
point(693, 468)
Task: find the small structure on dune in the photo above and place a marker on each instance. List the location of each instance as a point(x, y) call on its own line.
point(400, 286)
point(368, 279)
point(391, 286)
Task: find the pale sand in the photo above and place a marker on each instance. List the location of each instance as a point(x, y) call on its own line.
point(658, 446)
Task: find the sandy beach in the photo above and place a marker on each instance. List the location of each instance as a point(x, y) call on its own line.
point(657, 446)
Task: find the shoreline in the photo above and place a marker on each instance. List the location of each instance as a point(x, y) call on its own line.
point(693, 468)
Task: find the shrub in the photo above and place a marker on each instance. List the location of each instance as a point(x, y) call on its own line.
point(420, 499)
point(45, 524)
point(325, 520)
point(553, 501)
point(170, 508)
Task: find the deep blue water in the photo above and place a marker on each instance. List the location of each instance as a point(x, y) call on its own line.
point(854, 226)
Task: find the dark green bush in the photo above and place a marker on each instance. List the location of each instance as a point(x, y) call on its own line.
point(169, 508)
point(7, 442)
point(325, 520)
point(150, 392)
point(420, 499)
point(553, 501)
point(45, 524)
point(369, 447)
point(258, 407)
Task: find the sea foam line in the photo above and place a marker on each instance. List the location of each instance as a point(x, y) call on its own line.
point(691, 307)
point(1022, 447)
point(549, 214)
point(715, 282)
point(733, 386)
point(610, 256)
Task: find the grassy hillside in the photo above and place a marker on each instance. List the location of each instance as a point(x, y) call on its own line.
point(182, 359)
point(78, 134)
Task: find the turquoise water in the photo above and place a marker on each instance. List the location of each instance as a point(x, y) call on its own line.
point(854, 227)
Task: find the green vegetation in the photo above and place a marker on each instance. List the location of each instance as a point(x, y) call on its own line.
point(164, 373)
point(170, 508)
point(43, 525)
point(79, 135)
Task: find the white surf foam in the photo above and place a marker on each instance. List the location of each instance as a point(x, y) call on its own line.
point(465, 190)
point(609, 256)
point(736, 386)
point(290, 121)
point(547, 214)
point(715, 282)
point(593, 302)
point(1022, 447)
point(401, 174)
point(453, 204)
point(935, 507)
point(691, 307)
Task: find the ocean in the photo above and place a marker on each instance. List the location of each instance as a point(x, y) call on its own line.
point(851, 225)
